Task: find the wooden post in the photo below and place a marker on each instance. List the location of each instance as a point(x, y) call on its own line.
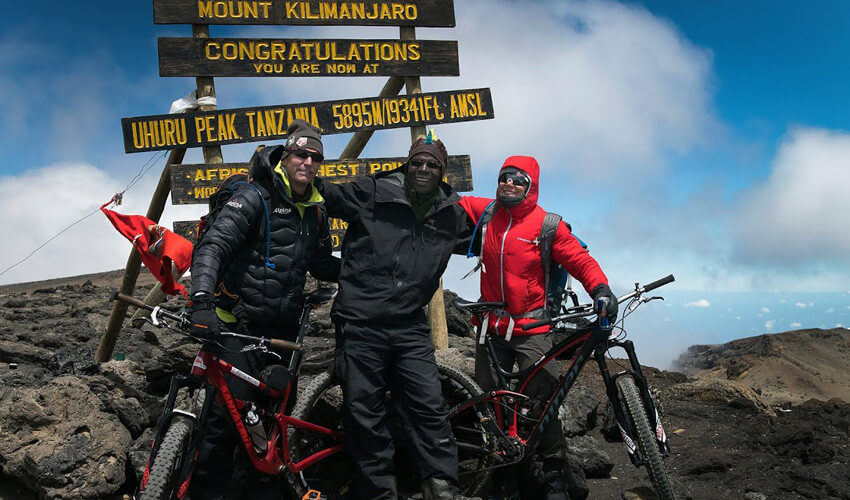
point(359, 139)
point(437, 306)
point(131, 270)
point(212, 154)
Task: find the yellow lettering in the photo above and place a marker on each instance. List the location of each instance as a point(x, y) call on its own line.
point(211, 50)
point(208, 123)
point(138, 138)
point(415, 55)
point(291, 12)
point(199, 126)
point(204, 9)
point(358, 10)
point(231, 126)
point(250, 115)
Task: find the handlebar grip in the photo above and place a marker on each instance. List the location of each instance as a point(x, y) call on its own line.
point(657, 283)
point(535, 324)
point(284, 344)
point(130, 300)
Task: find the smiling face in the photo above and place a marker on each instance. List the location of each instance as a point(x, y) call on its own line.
point(301, 166)
point(423, 173)
point(512, 185)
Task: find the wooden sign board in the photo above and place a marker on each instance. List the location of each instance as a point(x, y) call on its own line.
point(433, 13)
point(230, 126)
point(192, 184)
point(185, 190)
point(326, 57)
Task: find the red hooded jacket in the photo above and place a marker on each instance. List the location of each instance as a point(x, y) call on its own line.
point(512, 271)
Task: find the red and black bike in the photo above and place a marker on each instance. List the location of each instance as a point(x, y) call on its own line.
point(268, 434)
point(503, 427)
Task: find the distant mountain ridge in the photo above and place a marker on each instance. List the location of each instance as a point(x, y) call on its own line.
point(784, 367)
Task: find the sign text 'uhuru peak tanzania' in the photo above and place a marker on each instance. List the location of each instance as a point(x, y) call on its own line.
point(230, 126)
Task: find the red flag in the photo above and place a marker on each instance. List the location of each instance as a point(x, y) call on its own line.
point(157, 246)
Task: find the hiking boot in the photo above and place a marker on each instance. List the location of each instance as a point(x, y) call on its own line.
point(439, 489)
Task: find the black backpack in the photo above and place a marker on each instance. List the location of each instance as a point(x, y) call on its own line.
point(558, 281)
point(222, 195)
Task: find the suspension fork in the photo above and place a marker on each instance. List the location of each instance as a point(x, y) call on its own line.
point(643, 388)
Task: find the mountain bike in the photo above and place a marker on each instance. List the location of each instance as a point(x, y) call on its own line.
point(498, 428)
point(264, 428)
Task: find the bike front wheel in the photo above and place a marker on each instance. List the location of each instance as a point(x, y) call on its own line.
point(164, 472)
point(647, 446)
point(321, 404)
point(475, 443)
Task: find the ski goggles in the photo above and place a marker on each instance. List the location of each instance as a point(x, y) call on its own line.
point(517, 178)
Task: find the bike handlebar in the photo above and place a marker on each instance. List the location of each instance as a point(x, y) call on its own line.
point(276, 344)
point(657, 283)
point(587, 309)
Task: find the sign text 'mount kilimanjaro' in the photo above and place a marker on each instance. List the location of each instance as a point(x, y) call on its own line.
point(230, 126)
point(436, 13)
point(280, 57)
point(191, 184)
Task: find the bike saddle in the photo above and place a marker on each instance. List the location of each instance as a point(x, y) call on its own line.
point(477, 307)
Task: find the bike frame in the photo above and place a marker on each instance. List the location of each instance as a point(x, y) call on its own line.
point(210, 374)
point(585, 343)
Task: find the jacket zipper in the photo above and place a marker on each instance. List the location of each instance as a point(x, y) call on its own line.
point(502, 262)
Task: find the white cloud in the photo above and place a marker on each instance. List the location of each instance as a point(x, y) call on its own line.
point(795, 324)
point(801, 305)
point(701, 303)
point(839, 325)
point(782, 301)
point(769, 324)
point(800, 205)
point(765, 310)
point(830, 310)
point(601, 89)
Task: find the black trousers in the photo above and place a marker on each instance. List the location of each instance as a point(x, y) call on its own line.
point(214, 470)
point(371, 359)
point(524, 351)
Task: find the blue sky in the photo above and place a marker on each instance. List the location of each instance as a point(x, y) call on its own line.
point(705, 139)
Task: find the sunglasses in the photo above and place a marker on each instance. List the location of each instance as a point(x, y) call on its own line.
point(304, 154)
point(516, 178)
point(432, 165)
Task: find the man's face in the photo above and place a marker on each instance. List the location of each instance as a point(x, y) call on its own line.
point(423, 173)
point(301, 166)
point(513, 184)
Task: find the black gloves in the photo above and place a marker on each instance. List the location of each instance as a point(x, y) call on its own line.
point(603, 292)
point(204, 320)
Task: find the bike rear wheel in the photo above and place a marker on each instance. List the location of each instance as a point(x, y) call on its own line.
point(321, 404)
point(647, 446)
point(474, 441)
point(165, 469)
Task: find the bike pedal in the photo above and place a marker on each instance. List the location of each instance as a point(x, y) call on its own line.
point(312, 495)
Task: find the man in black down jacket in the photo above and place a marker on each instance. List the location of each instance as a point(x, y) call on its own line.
point(403, 226)
point(248, 274)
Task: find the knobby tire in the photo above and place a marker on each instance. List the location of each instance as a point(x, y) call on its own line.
point(321, 403)
point(474, 470)
point(164, 471)
point(647, 446)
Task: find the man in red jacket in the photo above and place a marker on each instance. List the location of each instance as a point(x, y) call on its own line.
point(512, 272)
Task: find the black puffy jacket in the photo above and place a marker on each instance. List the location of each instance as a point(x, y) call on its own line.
point(233, 250)
point(391, 264)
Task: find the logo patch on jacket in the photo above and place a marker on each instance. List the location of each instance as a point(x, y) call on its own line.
point(282, 210)
point(234, 203)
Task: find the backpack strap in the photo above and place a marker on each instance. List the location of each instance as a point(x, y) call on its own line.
point(269, 263)
point(547, 239)
point(483, 221)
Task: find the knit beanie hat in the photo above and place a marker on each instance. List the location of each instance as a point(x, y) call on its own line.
point(301, 134)
point(431, 146)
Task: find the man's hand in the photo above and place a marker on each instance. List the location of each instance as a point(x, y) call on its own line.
point(204, 321)
point(603, 291)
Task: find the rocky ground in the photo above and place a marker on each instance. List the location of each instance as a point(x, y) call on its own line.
point(72, 428)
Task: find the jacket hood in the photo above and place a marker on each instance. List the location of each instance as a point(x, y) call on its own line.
point(528, 165)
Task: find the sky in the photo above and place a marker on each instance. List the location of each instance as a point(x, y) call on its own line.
point(709, 140)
